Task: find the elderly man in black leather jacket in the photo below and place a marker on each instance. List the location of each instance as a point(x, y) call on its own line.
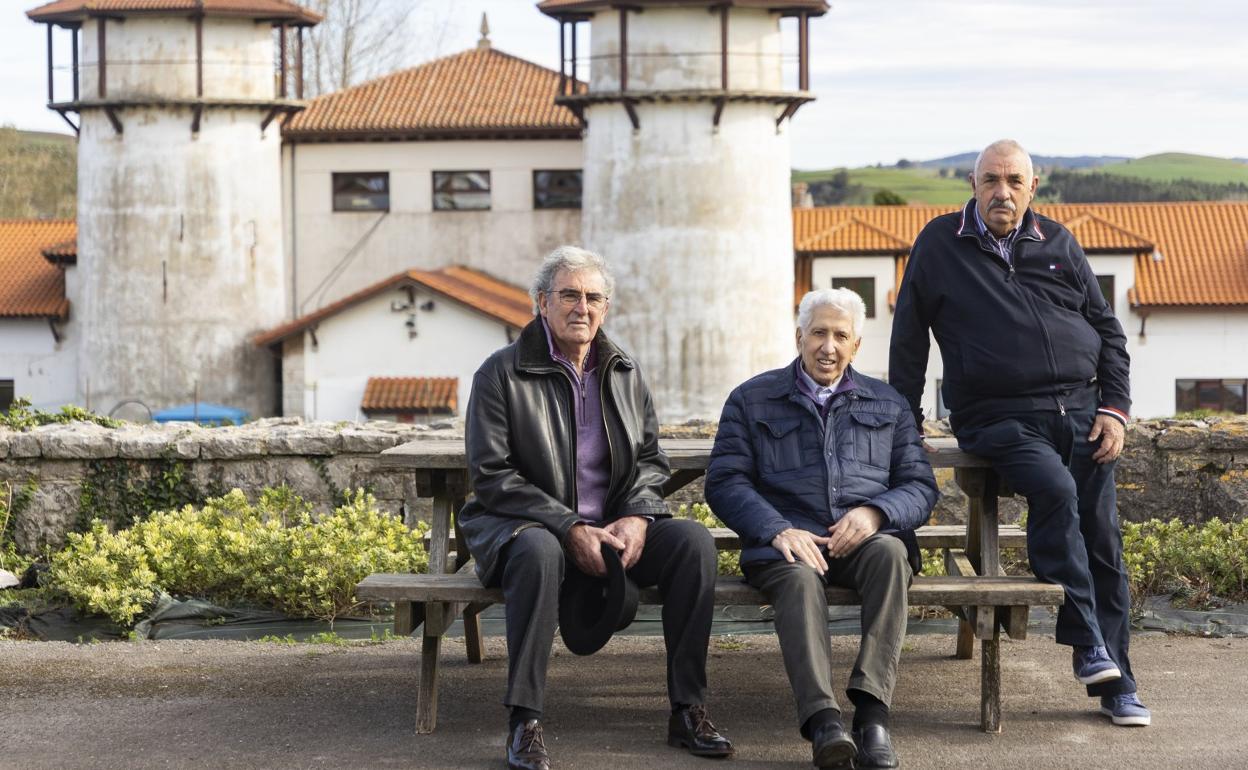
point(564, 457)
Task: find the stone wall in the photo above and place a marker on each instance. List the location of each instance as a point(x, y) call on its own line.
point(1190, 469)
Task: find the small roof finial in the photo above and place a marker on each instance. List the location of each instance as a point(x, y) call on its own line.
point(484, 42)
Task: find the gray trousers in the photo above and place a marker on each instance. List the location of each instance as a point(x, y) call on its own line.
point(678, 556)
point(880, 572)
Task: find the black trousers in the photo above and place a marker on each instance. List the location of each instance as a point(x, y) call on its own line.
point(1073, 538)
point(678, 556)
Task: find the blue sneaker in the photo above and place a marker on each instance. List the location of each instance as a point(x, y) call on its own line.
point(1093, 665)
point(1126, 710)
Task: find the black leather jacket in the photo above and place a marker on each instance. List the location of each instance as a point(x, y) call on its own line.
point(521, 445)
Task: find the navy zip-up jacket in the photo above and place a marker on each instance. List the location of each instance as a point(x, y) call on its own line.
point(778, 463)
point(1031, 335)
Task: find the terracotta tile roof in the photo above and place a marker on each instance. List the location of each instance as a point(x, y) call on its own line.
point(477, 93)
point(557, 7)
point(31, 286)
point(1186, 253)
point(62, 253)
point(481, 292)
point(77, 10)
point(411, 394)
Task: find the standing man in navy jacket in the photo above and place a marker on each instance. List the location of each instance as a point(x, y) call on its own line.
point(1037, 380)
point(821, 472)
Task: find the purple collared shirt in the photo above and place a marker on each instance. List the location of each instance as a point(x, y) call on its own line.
point(593, 453)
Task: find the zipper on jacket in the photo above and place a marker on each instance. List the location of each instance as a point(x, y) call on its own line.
point(1061, 408)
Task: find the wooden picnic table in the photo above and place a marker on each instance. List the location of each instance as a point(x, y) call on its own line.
point(976, 589)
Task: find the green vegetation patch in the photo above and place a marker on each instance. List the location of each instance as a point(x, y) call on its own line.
point(1172, 166)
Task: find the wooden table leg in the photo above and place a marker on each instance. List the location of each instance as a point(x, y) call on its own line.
point(966, 641)
point(990, 684)
point(427, 696)
point(472, 632)
point(408, 615)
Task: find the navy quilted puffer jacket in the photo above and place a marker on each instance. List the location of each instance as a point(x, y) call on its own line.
point(776, 464)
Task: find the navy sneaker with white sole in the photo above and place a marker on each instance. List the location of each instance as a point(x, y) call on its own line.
point(1093, 665)
point(1126, 710)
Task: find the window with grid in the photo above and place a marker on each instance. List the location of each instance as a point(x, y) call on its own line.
point(361, 190)
point(1214, 395)
point(1106, 282)
point(6, 394)
point(863, 287)
point(557, 189)
point(461, 191)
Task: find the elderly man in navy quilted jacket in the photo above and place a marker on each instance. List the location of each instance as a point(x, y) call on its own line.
point(821, 472)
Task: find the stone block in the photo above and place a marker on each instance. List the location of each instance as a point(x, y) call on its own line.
point(232, 444)
point(1229, 434)
point(79, 441)
point(365, 441)
point(1181, 437)
point(24, 445)
point(135, 444)
point(4, 443)
point(318, 441)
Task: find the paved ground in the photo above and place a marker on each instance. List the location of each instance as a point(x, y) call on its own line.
point(240, 705)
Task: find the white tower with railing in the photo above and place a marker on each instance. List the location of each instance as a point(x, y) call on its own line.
point(180, 253)
point(686, 182)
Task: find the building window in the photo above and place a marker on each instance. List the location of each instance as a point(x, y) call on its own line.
point(1106, 282)
point(557, 189)
point(863, 287)
point(461, 191)
point(361, 191)
point(6, 395)
point(941, 411)
point(1214, 395)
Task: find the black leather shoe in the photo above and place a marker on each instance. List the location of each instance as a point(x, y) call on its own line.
point(525, 748)
point(875, 748)
point(690, 728)
point(832, 749)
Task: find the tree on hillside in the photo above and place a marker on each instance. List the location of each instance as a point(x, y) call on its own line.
point(38, 179)
point(887, 197)
point(1097, 187)
point(363, 39)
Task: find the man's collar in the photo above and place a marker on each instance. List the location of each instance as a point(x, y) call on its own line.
point(972, 225)
point(591, 356)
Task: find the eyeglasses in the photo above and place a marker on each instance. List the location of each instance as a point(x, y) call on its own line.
point(572, 297)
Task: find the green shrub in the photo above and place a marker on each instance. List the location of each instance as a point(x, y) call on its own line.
point(21, 416)
point(729, 561)
point(273, 553)
point(1197, 564)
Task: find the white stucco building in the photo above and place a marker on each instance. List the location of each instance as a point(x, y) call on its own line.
point(404, 348)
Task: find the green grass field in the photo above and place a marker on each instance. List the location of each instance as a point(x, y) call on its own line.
point(916, 185)
point(1177, 165)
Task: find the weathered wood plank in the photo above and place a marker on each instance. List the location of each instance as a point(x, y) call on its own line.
point(935, 591)
point(931, 536)
point(990, 686)
point(1014, 620)
point(472, 632)
point(427, 696)
point(682, 454)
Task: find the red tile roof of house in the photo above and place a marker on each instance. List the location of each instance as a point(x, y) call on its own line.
point(30, 285)
point(77, 10)
point(481, 93)
point(411, 394)
point(1193, 253)
point(481, 292)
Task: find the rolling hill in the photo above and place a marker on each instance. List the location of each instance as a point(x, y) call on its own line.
point(1177, 165)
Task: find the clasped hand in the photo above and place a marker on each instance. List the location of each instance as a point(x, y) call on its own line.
point(626, 535)
point(798, 545)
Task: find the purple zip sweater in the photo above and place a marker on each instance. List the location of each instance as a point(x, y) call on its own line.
point(593, 454)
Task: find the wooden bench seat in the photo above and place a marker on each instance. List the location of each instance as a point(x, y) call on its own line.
point(926, 591)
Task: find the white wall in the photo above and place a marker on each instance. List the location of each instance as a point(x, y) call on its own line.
point(1183, 343)
point(873, 355)
point(41, 370)
point(507, 241)
point(371, 340)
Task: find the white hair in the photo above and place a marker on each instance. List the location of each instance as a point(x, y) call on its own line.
point(845, 300)
point(573, 259)
point(1005, 145)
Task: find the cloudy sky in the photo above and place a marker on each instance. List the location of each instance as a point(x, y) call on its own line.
point(911, 79)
